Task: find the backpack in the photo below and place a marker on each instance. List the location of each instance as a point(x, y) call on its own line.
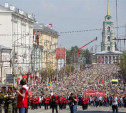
point(54, 100)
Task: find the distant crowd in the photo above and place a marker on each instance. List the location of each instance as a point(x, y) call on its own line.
point(68, 91)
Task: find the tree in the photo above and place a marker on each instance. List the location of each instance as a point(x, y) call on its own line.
point(68, 57)
point(69, 69)
point(51, 72)
point(87, 55)
point(72, 57)
point(122, 64)
point(44, 74)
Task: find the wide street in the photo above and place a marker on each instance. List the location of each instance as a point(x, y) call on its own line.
point(89, 110)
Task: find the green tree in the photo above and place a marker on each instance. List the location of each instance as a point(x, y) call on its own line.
point(87, 55)
point(44, 74)
point(72, 56)
point(69, 69)
point(122, 64)
point(68, 57)
point(51, 72)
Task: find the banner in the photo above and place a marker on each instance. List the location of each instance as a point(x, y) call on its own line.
point(60, 53)
point(94, 93)
point(9, 78)
point(100, 60)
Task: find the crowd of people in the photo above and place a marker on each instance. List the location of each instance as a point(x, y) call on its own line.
point(70, 91)
point(97, 77)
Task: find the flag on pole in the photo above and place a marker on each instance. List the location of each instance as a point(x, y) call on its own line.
point(51, 26)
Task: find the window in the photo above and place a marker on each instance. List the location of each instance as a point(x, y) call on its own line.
point(108, 29)
point(109, 38)
point(108, 48)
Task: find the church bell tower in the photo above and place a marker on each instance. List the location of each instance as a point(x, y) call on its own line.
point(108, 44)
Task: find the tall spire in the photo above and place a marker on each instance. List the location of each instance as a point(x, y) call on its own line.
point(108, 11)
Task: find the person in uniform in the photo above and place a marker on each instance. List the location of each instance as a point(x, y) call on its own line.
point(1, 102)
point(14, 102)
point(8, 101)
point(65, 102)
point(3, 91)
point(46, 101)
point(61, 101)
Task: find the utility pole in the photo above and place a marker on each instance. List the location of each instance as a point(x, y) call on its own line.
point(117, 16)
point(57, 70)
point(47, 65)
point(125, 37)
point(65, 64)
point(120, 39)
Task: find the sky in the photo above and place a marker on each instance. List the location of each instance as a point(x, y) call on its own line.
point(74, 15)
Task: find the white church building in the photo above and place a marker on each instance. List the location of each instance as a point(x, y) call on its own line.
point(109, 53)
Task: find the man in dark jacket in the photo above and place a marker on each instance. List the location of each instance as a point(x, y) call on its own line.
point(54, 102)
point(124, 100)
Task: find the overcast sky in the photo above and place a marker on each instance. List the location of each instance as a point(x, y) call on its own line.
point(74, 15)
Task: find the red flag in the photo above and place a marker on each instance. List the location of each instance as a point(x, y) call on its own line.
point(51, 25)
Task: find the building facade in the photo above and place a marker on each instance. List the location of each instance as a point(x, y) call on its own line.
point(5, 63)
point(36, 55)
point(109, 53)
point(16, 28)
point(49, 39)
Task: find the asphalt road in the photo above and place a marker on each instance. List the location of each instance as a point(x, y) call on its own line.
point(79, 110)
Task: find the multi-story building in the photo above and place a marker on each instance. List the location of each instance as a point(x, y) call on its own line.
point(16, 32)
point(5, 63)
point(36, 55)
point(49, 39)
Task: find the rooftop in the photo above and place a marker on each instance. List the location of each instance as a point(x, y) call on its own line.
point(45, 29)
point(109, 52)
point(13, 9)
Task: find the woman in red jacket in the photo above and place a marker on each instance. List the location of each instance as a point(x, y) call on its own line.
point(46, 102)
point(22, 99)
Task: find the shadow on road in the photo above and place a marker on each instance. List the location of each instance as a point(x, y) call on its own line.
point(96, 112)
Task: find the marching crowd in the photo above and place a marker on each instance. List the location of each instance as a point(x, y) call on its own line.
point(97, 77)
point(84, 101)
point(68, 91)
